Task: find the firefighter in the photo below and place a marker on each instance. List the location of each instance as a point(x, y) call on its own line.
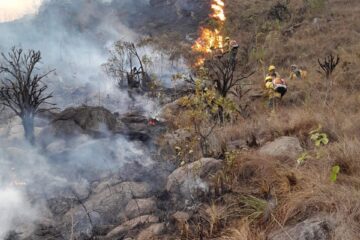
point(280, 87)
point(272, 72)
point(276, 88)
point(297, 73)
point(226, 47)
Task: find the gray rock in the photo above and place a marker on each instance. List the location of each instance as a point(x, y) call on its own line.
point(180, 220)
point(282, 147)
point(138, 207)
point(192, 178)
point(181, 217)
point(106, 201)
point(310, 229)
point(47, 232)
point(151, 232)
point(85, 119)
point(109, 200)
point(131, 224)
point(236, 144)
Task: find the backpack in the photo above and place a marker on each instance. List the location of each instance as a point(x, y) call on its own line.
point(280, 86)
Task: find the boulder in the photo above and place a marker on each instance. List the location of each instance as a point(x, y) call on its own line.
point(130, 225)
point(110, 200)
point(192, 178)
point(85, 119)
point(169, 110)
point(151, 232)
point(106, 201)
point(81, 221)
point(138, 207)
point(56, 147)
point(236, 144)
point(181, 217)
point(282, 147)
point(310, 229)
point(48, 232)
point(136, 126)
point(180, 220)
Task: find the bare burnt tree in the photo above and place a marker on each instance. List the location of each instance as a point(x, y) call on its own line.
point(223, 75)
point(22, 89)
point(222, 69)
point(127, 66)
point(328, 65)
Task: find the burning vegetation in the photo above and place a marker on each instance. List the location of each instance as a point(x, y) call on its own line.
point(211, 37)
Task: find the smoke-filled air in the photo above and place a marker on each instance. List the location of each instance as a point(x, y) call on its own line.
point(179, 120)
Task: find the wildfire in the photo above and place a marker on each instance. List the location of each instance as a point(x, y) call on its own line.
point(218, 8)
point(211, 38)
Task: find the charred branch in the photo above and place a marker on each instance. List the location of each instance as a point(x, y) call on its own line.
point(222, 72)
point(328, 64)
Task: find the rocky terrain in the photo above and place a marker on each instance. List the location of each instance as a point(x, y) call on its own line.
point(199, 164)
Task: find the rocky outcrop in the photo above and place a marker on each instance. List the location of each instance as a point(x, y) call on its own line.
point(96, 122)
point(310, 229)
point(189, 180)
point(289, 147)
point(151, 232)
point(138, 207)
point(180, 219)
point(89, 120)
point(121, 230)
point(102, 208)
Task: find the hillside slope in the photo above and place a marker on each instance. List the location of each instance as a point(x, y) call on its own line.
point(305, 186)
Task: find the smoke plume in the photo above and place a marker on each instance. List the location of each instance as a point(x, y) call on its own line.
point(74, 37)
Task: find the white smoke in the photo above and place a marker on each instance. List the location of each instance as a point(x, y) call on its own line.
point(29, 175)
point(15, 209)
point(75, 42)
point(15, 9)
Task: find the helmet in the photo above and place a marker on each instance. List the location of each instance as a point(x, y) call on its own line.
point(268, 79)
point(271, 68)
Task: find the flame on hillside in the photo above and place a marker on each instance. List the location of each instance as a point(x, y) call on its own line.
point(218, 7)
point(211, 39)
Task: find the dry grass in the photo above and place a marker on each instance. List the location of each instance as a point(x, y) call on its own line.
point(299, 192)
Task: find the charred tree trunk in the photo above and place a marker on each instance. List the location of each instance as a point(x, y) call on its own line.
point(28, 124)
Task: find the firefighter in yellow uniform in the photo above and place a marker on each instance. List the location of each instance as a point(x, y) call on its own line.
point(269, 90)
point(272, 72)
point(297, 73)
point(275, 89)
point(226, 47)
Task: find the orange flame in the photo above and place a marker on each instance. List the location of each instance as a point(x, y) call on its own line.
point(210, 39)
point(218, 8)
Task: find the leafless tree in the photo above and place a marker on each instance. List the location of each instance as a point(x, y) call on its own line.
point(222, 72)
point(328, 65)
point(22, 89)
point(127, 66)
point(223, 75)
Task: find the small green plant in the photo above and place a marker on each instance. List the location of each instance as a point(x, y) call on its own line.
point(335, 170)
point(253, 207)
point(303, 157)
point(318, 137)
